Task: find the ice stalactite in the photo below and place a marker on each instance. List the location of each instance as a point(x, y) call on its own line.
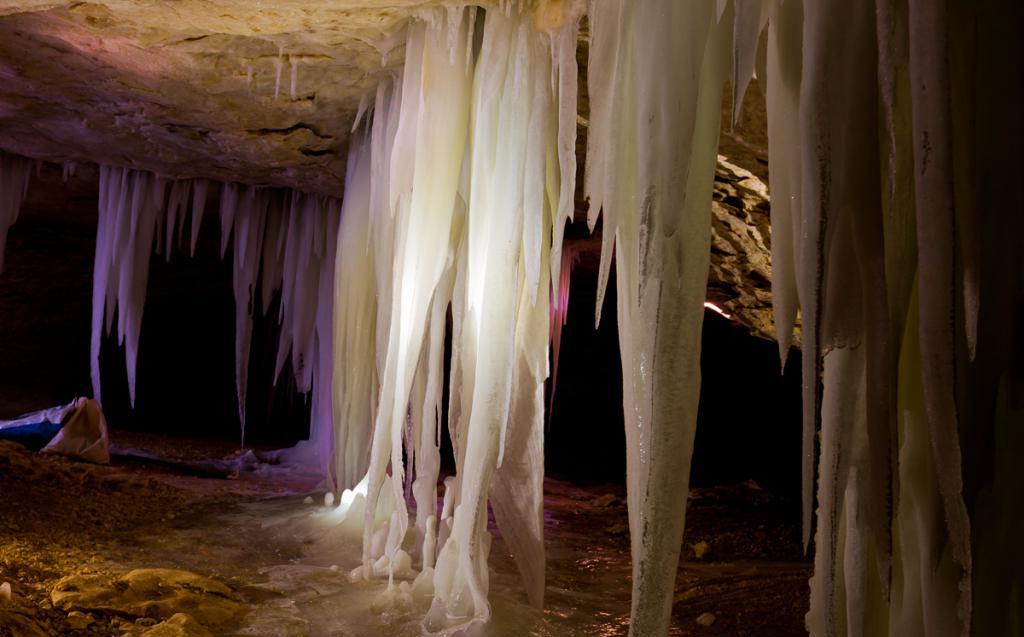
point(137, 213)
point(355, 374)
point(906, 310)
point(656, 76)
point(562, 26)
point(751, 16)
point(289, 239)
point(285, 238)
point(560, 312)
point(247, 212)
point(782, 92)
point(460, 182)
point(278, 67)
point(514, 133)
point(425, 164)
point(130, 205)
point(294, 75)
point(14, 178)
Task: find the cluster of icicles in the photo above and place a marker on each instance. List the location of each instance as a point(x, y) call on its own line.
point(460, 179)
point(284, 241)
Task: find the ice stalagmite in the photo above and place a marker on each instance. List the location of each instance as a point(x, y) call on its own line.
point(426, 409)
point(199, 190)
point(425, 165)
point(14, 177)
point(657, 71)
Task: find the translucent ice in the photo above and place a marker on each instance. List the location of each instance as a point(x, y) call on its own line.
point(656, 75)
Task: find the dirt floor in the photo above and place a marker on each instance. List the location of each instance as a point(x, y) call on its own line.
point(86, 550)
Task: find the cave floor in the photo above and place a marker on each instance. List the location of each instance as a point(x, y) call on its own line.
point(86, 550)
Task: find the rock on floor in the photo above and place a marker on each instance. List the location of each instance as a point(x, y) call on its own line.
point(156, 593)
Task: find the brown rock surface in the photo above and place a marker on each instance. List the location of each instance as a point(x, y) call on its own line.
point(157, 593)
point(193, 87)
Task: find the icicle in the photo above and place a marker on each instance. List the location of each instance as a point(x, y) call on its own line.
point(354, 323)
point(751, 18)
point(278, 66)
point(936, 241)
point(783, 101)
point(249, 215)
point(228, 208)
point(427, 439)
point(500, 416)
point(130, 206)
point(199, 188)
point(294, 62)
point(559, 314)
point(424, 166)
point(565, 68)
point(321, 434)
point(650, 164)
point(14, 178)
point(364, 102)
point(176, 205)
point(517, 491)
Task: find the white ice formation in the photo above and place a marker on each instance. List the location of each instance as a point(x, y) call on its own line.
point(285, 240)
point(455, 199)
point(655, 79)
point(885, 121)
point(881, 202)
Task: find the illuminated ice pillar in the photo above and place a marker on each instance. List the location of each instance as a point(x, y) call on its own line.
point(656, 74)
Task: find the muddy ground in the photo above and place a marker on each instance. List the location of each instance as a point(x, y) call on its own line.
point(68, 530)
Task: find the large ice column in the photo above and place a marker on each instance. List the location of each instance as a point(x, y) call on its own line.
point(845, 303)
point(130, 205)
point(355, 302)
point(656, 76)
point(517, 490)
point(14, 178)
point(890, 242)
point(426, 417)
point(362, 288)
point(425, 165)
point(508, 224)
point(937, 246)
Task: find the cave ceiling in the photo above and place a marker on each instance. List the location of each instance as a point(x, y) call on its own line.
point(266, 93)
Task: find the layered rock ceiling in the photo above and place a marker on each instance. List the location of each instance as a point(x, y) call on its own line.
point(266, 93)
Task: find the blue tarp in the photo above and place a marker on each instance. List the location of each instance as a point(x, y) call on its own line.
point(35, 430)
point(34, 436)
